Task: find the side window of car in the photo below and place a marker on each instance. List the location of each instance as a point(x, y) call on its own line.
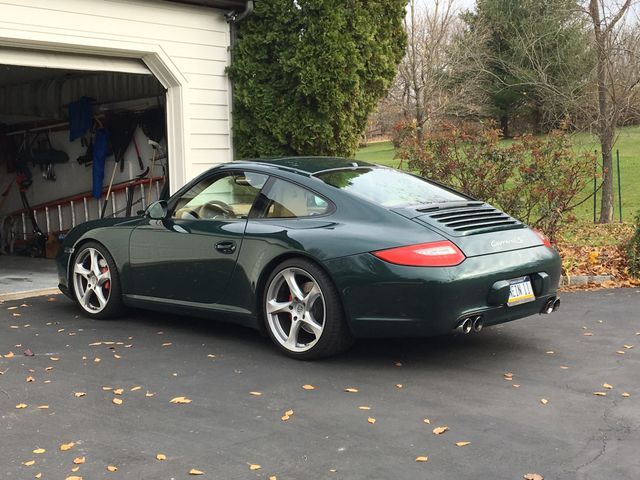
point(225, 196)
point(287, 200)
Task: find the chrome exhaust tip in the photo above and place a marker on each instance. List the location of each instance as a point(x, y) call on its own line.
point(478, 323)
point(548, 306)
point(465, 326)
point(556, 305)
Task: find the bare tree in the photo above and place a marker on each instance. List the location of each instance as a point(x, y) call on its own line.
point(436, 78)
point(608, 23)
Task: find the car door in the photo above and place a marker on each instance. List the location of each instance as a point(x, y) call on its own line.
point(191, 254)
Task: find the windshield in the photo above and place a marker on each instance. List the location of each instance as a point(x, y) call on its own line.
point(387, 187)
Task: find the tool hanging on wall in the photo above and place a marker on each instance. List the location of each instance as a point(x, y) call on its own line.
point(135, 144)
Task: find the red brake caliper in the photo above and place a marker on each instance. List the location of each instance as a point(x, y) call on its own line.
point(107, 284)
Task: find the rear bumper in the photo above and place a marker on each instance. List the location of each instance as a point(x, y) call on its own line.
point(386, 300)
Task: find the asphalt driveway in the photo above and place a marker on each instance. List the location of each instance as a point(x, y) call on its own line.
point(486, 388)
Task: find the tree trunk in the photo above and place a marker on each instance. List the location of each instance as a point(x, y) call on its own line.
point(504, 125)
point(606, 121)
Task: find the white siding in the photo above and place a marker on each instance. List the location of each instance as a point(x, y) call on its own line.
point(191, 41)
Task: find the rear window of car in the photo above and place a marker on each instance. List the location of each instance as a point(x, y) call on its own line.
point(387, 187)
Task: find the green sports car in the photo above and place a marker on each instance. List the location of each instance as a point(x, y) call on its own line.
point(315, 252)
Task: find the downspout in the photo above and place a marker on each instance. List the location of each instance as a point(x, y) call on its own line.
point(233, 18)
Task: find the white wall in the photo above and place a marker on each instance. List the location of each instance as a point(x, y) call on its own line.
point(185, 46)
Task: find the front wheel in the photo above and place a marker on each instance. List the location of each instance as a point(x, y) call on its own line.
point(303, 313)
point(96, 284)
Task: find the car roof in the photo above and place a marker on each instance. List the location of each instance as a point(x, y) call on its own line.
point(310, 165)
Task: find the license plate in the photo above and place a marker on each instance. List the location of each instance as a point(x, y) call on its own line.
point(520, 291)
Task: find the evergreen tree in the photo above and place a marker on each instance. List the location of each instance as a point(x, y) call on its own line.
point(307, 73)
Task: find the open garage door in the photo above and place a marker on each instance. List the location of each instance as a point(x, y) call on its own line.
point(81, 137)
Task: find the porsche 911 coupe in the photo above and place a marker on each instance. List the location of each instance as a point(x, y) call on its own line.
point(315, 252)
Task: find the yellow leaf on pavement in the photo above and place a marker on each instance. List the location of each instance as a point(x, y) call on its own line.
point(79, 394)
point(626, 394)
point(118, 391)
point(112, 468)
point(117, 401)
point(29, 463)
point(440, 430)
point(79, 460)
point(253, 466)
point(351, 390)
point(462, 444)
point(371, 420)
point(43, 407)
point(67, 446)
point(544, 401)
point(195, 471)
point(422, 459)
point(135, 389)
point(161, 456)
point(289, 412)
point(364, 407)
point(607, 386)
point(256, 394)
point(180, 400)
point(21, 406)
point(533, 476)
point(39, 450)
point(308, 387)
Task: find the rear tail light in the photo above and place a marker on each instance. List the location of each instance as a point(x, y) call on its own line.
point(434, 254)
point(543, 237)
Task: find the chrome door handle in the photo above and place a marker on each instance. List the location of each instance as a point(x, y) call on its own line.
point(226, 247)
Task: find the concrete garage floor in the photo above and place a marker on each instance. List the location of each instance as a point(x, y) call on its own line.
point(455, 382)
point(24, 274)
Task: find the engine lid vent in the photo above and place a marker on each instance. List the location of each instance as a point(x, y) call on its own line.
point(474, 217)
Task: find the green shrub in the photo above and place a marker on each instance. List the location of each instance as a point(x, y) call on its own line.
point(535, 179)
point(633, 249)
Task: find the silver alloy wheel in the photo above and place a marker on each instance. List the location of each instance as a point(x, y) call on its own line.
point(91, 280)
point(295, 309)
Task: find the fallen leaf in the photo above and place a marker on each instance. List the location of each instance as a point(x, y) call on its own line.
point(462, 444)
point(79, 460)
point(118, 391)
point(79, 394)
point(9, 355)
point(211, 355)
point(600, 394)
point(607, 386)
point(256, 394)
point(48, 369)
point(371, 420)
point(20, 406)
point(97, 360)
point(149, 394)
point(399, 385)
point(43, 407)
point(588, 334)
point(626, 394)
point(364, 407)
point(38, 475)
point(112, 468)
point(427, 421)
point(161, 456)
point(67, 446)
point(29, 463)
point(533, 476)
point(73, 477)
point(194, 471)
point(351, 390)
point(308, 387)
point(628, 346)
point(168, 344)
point(254, 466)
point(273, 477)
point(116, 356)
point(398, 364)
point(440, 430)
point(180, 400)
point(422, 459)
point(54, 359)
point(284, 418)
point(550, 352)
point(544, 401)
point(564, 367)
point(75, 469)
point(30, 379)
point(39, 450)
point(516, 385)
point(117, 401)
point(620, 352)
point(28, 353)
point(135, 389)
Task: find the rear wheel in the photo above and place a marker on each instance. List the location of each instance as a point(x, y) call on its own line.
point(302, 311)
point(96, 284)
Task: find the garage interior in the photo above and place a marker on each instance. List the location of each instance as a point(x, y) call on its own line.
point(75, 145)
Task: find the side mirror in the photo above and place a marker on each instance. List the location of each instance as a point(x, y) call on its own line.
point(157, 210)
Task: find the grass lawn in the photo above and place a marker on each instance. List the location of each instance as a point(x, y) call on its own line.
point(628, 143)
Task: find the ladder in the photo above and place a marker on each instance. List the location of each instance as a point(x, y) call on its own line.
point(59, 216)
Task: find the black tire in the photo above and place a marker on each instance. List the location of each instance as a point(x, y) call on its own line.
point(335, 336)
point(113, 306)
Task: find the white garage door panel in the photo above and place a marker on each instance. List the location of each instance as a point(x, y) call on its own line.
point(212, 52)
point(214, 127)
point(206, 112)
point(208, 82)
point(209, 156)
point(68, 61)
point(201, 66)
point(209, 141)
